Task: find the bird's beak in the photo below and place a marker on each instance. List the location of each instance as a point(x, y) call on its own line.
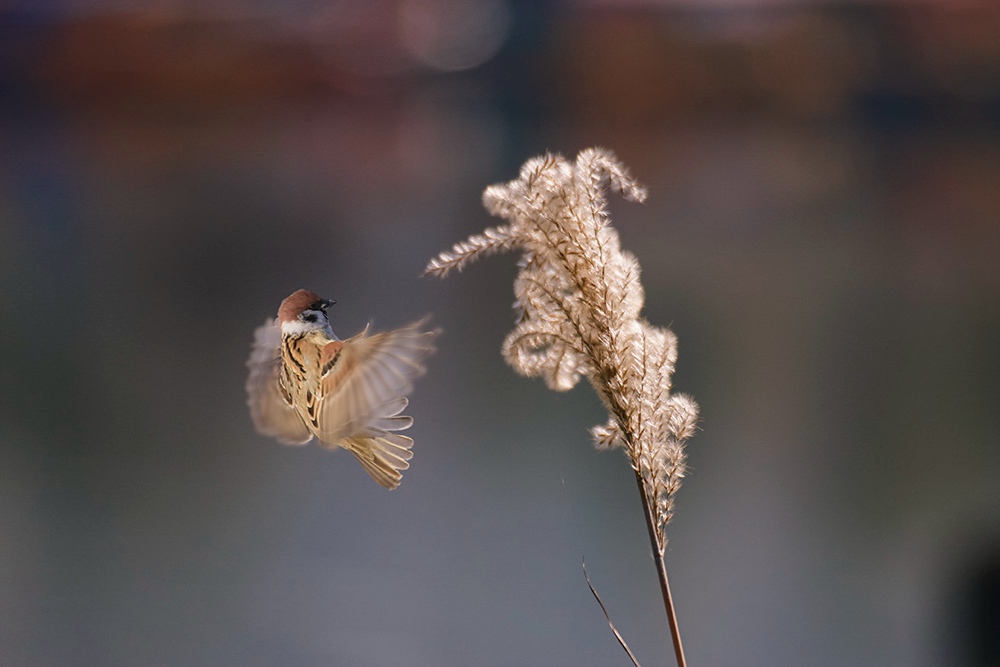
point(327, 303)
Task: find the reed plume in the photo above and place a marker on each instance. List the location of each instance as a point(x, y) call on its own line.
point(578, 303)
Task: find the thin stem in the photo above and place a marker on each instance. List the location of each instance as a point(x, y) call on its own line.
point(618, 635)
point(661, 571)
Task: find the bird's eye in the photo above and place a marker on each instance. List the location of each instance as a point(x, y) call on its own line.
point(311, 317)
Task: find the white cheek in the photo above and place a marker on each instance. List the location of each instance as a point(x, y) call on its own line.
point(298, 327)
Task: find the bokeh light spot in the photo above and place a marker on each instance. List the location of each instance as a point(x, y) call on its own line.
point(453, 35)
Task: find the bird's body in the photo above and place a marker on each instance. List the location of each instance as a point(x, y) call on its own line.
point(304, 382)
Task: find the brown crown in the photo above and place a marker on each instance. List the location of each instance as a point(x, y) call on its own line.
point(296, 302)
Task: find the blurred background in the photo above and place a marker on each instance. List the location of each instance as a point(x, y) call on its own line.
point(822, 233)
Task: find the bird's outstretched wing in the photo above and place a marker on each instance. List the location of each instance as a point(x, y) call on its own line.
point(272, 415)
point(362, 394)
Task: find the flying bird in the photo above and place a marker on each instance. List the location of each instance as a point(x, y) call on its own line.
point(306, 383)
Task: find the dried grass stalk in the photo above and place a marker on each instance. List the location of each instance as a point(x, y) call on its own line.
point(578, 303)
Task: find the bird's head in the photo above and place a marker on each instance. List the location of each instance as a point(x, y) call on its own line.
point(303, 311)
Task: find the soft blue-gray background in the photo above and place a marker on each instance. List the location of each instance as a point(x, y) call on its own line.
point(822, 233)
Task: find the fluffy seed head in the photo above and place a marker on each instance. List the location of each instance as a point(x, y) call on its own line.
point(579, 303)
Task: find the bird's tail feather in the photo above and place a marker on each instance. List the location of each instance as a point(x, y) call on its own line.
point(382, 455)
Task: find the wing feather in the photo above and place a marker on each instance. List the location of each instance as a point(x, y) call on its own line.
point(271, 413)
point(370, 381)
point(363, 394)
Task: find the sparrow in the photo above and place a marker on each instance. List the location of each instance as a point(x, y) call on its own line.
point(306, 383)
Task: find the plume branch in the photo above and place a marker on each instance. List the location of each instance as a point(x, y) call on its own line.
point(491, 241)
